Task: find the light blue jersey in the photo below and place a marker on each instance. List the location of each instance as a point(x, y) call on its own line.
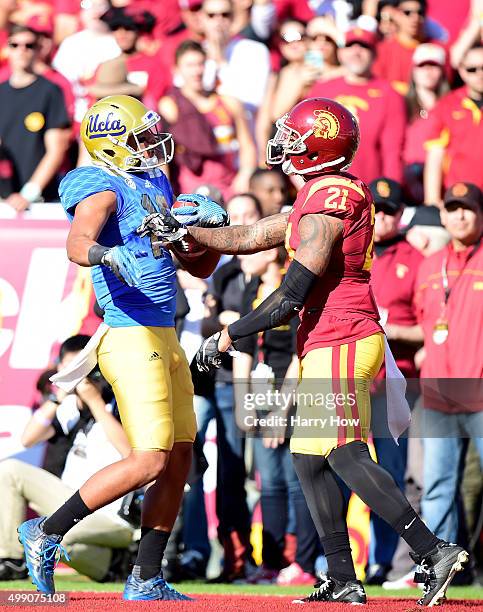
point(153, 302)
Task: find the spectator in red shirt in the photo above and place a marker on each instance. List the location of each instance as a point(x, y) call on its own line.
point(378, 108)
point(428, 84)
point(214, 145)
point(455, 137)
point(190, 29)
point(395, 54)
point(449, 303)
point(293, 9)
point(133, 72)
point(393, 281)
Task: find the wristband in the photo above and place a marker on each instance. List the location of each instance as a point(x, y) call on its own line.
point(96, 253)
point(31, 192)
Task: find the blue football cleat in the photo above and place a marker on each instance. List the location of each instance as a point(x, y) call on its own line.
point(42, 553)
point(152, 589)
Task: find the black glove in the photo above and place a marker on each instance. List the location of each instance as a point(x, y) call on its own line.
point(208, 355)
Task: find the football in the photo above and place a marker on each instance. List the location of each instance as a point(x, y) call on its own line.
point(186, 248)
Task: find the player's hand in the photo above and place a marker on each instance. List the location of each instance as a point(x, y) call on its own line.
point(162, 226)
point(208, 356)
point(207, 213)
point(122, 261)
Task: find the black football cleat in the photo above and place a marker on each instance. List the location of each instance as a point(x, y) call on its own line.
point(330, 589)
point(437, 569)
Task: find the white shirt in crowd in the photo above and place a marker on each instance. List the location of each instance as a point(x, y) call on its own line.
point(90, 452)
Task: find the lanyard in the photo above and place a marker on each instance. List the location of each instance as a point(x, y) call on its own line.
point(444, 272)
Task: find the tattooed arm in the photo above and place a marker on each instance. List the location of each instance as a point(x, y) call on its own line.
point(318, 235)
point(260, 236)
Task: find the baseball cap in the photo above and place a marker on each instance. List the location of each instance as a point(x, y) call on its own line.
point(428, 53)
point(387, 194)
point(364, 37)
point(129, 17)
point(190, 5)
point(464, 193)
point(41, 24)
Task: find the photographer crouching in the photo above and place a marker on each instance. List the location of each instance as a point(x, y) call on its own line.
point(97, 546)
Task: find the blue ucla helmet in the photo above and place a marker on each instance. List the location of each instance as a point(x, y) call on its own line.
point(120, 132)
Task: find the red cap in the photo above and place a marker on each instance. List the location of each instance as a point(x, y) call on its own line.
point(42, 24)
point(190, 5)
point(358, 35)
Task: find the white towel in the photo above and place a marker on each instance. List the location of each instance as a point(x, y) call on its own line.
point(69, 377)
point(398, 411)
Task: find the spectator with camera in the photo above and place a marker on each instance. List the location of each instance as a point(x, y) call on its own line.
point(98, 442)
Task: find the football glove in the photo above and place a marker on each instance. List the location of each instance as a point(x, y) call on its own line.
point(208, 355)
point(162, 226)
point(207, 214)
point(123, 263)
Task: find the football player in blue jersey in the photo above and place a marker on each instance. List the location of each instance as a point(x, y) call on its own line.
point(139, 355)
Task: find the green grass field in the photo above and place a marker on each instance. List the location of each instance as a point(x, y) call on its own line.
point(80, 583)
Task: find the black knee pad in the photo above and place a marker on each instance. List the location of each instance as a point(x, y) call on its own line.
point(343, 457)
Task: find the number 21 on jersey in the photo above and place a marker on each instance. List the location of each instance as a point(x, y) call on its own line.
point(337, 198)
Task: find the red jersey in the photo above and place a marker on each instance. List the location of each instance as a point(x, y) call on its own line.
point(381, 114)
point(461, 355)
point(394, 63)
point(340, 308)
point(455, 123)
point(393, 280)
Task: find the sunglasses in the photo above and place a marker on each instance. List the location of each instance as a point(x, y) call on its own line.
point(320, 38)
point(224, 15)
point(15, 45)
point(128, 28)
point(409, 12)
point(473, 69)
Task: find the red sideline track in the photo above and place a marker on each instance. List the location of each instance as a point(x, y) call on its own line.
point(112, 602)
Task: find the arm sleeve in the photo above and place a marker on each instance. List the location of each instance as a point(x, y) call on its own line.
point(279, 307)
point(80, 184)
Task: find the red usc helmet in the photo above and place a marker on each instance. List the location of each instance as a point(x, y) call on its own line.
point(318, 135)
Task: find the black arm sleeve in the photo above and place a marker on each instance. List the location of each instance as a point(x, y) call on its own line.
point(281, 306)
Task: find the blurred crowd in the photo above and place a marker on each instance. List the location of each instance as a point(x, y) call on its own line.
point(220, 73)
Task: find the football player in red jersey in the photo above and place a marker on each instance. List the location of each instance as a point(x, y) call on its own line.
point(329, 234)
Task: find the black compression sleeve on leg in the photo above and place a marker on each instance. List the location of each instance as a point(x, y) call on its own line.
point(63, 519)
point(328, 510)
point(151, 550)
point(279, 307)
point(378, 489)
